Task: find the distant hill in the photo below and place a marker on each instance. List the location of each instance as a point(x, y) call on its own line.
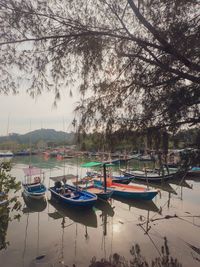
point(46, 135)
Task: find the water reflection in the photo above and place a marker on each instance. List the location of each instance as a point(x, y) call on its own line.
point(195, 178)
point(139, 204)
point(84, 217)
point(105, 207)
point(50, 163)
point(33, 205)
point(44, 227)
point(164, 186)
point(138, 259)
point(181, 183)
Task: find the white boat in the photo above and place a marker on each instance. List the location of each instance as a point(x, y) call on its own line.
point(33, 186)
point(5, 154)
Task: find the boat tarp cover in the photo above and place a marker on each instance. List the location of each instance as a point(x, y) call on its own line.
point(95, 164)
point(32, 171)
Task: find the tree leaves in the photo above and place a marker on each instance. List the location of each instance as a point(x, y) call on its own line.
point(135, 64)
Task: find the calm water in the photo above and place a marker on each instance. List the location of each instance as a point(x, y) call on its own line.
point(49, 235)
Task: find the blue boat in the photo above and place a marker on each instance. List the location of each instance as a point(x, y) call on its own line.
point(129, 191)
point(22, 153)
point(35, 189)
point(73, 196)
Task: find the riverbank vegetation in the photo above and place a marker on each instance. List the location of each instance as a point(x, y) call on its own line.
point(8, 186)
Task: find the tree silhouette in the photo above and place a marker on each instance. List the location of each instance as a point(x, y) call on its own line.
point(138, 260)
point(138, 60)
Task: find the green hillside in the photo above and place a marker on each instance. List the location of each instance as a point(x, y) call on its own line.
point(46, 135)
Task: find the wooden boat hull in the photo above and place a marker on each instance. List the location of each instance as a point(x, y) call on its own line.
point(150, 178)
point(85, 199)
point(122, 179)
point(130, 191)
point(37, 191)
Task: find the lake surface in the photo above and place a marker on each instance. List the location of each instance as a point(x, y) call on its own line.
point(49, 235)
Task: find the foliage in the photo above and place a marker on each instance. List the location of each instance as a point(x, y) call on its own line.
point(7, 184)
point(190, 157)
point(47, 135)
point(138, 260)
point(139, 141)
point(136, 63)
point(4, 219)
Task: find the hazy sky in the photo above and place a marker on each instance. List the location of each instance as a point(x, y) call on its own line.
point(20, 113)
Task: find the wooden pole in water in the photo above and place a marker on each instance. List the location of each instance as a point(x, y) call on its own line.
point(104, 176)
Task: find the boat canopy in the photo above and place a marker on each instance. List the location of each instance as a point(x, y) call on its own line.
point(91, 164)
point(96, 164)
point(30, 171)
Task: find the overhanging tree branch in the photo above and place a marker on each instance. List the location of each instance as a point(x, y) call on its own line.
point(180, 74)
point(166, 46)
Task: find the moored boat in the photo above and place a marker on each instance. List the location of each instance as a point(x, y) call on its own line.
point(148, 176)
point(6, 154)
point(72, 196)
point(34, 189)
point(22, 153)
point(129, 191)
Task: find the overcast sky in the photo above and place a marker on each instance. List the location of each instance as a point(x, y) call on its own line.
point(20, 113)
